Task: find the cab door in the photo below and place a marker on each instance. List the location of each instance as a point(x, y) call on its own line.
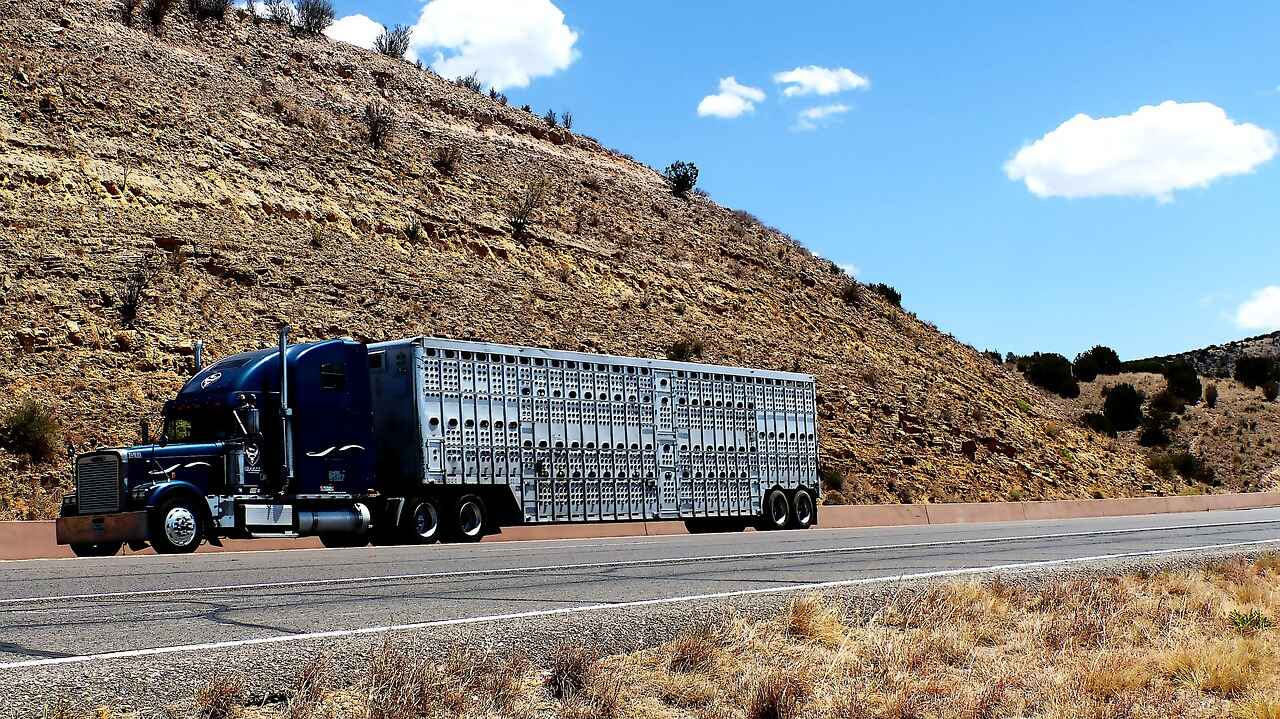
point(332, 426)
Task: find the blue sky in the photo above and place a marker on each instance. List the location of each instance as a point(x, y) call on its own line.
point(909, 184)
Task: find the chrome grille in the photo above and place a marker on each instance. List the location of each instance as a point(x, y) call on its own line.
point(98, 484)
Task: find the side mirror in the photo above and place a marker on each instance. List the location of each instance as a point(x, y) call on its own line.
point(163, 441)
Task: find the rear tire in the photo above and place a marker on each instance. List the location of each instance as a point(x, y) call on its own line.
point(468, 520)
point(777, 511)
point(803, 510)
point(177, 527)
point(421, 524)
point(96, 549)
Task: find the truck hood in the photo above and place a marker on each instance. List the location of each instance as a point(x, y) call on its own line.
point(153, 463)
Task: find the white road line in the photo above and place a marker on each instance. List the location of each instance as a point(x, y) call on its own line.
point(618, 605)
point(622, 563)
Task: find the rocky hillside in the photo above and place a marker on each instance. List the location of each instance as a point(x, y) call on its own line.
point(1220, 360)
point(234, 160)
point(1237, 440)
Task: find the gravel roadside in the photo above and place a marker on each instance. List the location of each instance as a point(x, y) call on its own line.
point(150, 685)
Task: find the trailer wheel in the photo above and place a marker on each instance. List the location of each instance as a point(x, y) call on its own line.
point(96, 549)
point(803, 510)
point(468, 519)
point(422, 523)
point(177, 527)
point(777, 511)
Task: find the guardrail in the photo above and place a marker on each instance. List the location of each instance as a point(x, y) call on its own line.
point(35, 540)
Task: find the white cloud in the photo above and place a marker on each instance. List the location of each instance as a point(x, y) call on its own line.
point(815, 80)
point(811, 118)
point(358, 30)
point(507, 43)
point(1262, 311)
point(1152, 152)
point(850, 269)
point(733, 100)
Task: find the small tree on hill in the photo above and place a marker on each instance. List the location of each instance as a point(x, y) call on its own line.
point(893, 296)
point(520, 216)
point(1157, 428)
point(1253, 372)
point(1211, 396)
point(1106, 358)
point(279, 12)
point(32, 429)
point(682, 177)
point(394, 41)
point(1123, 407)
point(314, 16)
point(1183, 381)
point(209, 9)
point(1085, 367)
point(1271, 391)
point(379, 123)
point(1052, 372)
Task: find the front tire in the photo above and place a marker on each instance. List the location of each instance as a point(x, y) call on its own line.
point(468, 519)
point(177, 527)
point(777, 511)
point(96, 549)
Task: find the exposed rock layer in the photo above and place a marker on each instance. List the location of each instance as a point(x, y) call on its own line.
point(234, 157)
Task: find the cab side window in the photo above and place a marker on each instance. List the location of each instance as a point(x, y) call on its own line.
point(333, 376)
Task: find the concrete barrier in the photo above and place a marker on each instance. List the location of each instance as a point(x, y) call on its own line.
point(35, 540)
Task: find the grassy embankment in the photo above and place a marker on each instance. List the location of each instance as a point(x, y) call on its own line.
point(1178, 644)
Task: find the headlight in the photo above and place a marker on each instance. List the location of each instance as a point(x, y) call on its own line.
point(140, 492)
point(69, 499)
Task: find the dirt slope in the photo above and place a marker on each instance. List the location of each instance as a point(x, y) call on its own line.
point(236, 158)
point(1237, 439)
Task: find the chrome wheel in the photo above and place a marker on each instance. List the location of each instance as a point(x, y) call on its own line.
point(470, 518)
point(426, 522)
point(777, 511)
point(804, 509)
point(180, 526)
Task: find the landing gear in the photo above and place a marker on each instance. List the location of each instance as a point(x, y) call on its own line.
point(177, 527)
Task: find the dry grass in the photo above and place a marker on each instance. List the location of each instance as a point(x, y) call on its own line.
point(1193, 644)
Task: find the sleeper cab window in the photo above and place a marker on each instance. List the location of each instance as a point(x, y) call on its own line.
point(333, 376)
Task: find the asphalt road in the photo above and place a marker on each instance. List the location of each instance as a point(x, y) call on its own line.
point(82, 611)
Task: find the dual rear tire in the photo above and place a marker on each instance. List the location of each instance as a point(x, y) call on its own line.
point(428, 520)
point(797, 511)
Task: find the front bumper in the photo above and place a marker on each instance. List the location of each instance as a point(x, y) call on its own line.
point(96, 528)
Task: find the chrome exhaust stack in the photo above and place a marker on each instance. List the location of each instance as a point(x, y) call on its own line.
point(286, 414)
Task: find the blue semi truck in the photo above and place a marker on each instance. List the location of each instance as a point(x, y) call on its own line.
point(425, 439)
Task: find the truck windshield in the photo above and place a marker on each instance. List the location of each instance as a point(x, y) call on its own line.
point(187, 426)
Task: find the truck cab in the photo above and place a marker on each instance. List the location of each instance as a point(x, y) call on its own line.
point(246, 450)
